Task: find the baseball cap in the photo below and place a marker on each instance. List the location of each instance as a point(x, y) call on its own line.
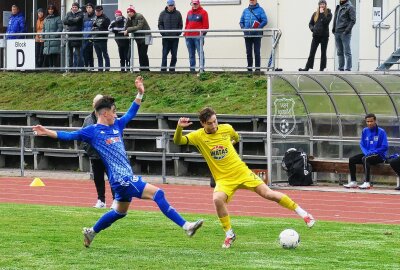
point(99, 8)
point(171, 3)
point(196, 2)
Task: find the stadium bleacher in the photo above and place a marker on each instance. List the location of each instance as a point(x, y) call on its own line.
point(140, 141)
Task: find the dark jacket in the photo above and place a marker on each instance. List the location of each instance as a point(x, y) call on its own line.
point(16, 24)
point(88, 20)
point(52, 23)
point(117, 26)
point(135, 23)
point(345, 18)
point(320, 28)
point(91, 119)
point(170, 21)
point(74, 23)
point(101, 23)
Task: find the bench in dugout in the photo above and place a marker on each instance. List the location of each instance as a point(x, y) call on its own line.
point(342, 167)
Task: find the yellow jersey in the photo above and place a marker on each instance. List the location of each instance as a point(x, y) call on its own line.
point(218, 151)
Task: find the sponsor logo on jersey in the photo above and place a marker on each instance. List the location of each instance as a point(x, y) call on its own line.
point(113, 140)
point(115, 131)
point(219, 152)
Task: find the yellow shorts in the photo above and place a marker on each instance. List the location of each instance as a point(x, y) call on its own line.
point(247, 180)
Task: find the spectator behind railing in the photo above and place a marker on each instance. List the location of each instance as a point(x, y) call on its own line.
point(197, 18)
point(343, 22)
point(87, 45)
point(74, 22)
point(319, 26)
point(117, 26)
point(170, 19)
point(38, 38)
point(101, 23)
point(52, 43)
point(16, 23)
point(136, 22)
point(253, 17)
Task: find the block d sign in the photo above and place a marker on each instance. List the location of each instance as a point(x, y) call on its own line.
point(21, 54)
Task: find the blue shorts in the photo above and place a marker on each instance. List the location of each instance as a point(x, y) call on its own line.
point(132, 187)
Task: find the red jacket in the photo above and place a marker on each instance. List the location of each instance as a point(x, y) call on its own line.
point(196, 19)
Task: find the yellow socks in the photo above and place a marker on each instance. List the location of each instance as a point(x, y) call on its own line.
point(288, 203)
point(226, 223)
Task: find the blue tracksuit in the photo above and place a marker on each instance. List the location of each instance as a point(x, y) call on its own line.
point(374, 141)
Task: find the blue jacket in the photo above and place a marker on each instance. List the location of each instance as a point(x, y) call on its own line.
point(16, 24)
point(374, 141)
point(248, 18)
point(88, 20)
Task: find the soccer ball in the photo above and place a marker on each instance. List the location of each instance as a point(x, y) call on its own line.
point(289, 238)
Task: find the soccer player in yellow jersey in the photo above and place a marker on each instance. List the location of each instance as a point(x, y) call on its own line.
point(215, 142)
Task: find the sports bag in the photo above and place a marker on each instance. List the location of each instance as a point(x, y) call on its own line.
point(297, 168)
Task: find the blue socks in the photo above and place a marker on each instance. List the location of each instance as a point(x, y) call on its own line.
point(159, 197)
point(107, 219)
point(167, 209)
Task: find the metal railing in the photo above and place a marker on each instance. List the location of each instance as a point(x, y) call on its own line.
point(272, 34)
point(379, 40)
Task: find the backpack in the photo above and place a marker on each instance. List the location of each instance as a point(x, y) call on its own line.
point(297, 168)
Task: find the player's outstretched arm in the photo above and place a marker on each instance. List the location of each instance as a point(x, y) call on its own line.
point(40, 130)
point(182, 123)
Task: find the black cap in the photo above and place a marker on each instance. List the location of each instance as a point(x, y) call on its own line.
point(99, 8)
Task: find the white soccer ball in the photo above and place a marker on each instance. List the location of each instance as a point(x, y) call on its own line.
point(289, 238)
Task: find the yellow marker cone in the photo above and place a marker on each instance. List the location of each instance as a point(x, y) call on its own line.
point(37, 183)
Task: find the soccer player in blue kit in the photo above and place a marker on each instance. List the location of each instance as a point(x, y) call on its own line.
point(106, 138)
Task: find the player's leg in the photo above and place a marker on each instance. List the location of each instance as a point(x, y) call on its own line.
point(151, 192)
point(123, 196)
point(220, 202)
point(264, 191)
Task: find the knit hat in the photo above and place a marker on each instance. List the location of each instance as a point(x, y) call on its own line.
point(196, 2)
point(118, 12)
point(40, 10)
point(90, 5)
point(322, 2)
point(131, 9)
point(170, 3)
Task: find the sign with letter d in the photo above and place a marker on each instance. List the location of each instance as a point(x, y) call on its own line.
point(21, 54)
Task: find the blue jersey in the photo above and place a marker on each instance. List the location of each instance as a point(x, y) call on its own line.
point(108, 142)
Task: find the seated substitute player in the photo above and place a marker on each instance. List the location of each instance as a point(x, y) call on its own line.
point(374, 145)
point(215, 143)
point(106, 138)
